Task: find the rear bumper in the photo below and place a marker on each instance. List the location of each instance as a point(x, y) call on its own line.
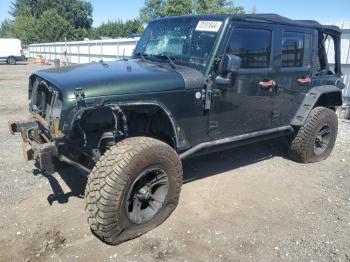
point(36, 146)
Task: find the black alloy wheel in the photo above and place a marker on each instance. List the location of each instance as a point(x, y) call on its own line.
point(146, 195)
point(322, 140)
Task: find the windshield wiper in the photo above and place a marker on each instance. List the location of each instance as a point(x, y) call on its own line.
point(161, 56)
point(171, 61)
point(141, 55)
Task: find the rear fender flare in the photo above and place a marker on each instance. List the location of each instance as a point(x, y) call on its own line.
point(311, 99)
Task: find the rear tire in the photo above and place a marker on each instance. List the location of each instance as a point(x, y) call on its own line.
point(11, 60)
point(133, 188)
point(315, 140)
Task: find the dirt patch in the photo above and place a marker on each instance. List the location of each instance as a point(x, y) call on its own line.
point(51, 241)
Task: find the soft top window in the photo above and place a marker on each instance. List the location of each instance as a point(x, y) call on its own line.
point(292, 49)
point(252, 45)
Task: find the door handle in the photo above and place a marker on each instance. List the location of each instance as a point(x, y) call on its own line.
point(270, 84)
point(304, 81)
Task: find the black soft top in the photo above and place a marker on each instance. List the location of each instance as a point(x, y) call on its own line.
point(270, 18)
point(274, 18)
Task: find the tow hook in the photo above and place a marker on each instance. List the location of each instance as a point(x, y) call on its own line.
point(18, 126)
point(12, 125)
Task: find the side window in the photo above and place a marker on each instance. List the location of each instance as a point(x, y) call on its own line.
point(253, 46)
point(293, 45)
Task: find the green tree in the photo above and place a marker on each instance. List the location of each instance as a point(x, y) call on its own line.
point(217, 7)
point(132, 27)
point(118, 28)
point(77, 12)
point(51, 27)
point(153, 9)
point(23, 8)
point(176, 7)
point(92, 34)
point(25, 28)
point(81, 33)
point(5, 29)
point(47, 20)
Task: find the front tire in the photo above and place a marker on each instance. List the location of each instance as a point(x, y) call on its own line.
point(315, 140)
point(133, 188)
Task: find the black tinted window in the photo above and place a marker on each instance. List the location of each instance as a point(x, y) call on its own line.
point(253, 46)
point(292, 49)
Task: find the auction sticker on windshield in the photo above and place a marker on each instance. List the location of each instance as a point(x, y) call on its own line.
point(208, 26)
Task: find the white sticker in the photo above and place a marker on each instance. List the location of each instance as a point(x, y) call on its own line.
point(209, 26)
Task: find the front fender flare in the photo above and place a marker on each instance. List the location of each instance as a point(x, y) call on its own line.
point(180, 138)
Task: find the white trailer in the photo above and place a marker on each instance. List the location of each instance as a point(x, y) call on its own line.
point(11, 51)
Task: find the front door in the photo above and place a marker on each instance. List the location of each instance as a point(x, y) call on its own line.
point(246, 106)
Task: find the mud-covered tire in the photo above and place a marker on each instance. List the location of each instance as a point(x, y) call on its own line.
point(115, 173)
point(302, 147)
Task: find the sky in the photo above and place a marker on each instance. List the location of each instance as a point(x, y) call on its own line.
point(323, 11)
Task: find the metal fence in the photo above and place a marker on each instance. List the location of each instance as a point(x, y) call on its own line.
point(81, 52)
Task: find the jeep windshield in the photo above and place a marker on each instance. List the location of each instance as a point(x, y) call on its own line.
point(186, 41)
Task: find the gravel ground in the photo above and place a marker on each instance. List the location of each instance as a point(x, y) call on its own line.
point(245, 204)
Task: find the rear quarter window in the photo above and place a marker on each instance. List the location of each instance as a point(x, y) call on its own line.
point(296, 49)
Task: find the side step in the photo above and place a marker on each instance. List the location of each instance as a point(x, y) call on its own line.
point(206, 145)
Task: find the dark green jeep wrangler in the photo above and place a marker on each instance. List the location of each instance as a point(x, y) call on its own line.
point(195, 84)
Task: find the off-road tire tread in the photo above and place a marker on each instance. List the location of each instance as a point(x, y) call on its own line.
point(299, 145)
point(109, 178)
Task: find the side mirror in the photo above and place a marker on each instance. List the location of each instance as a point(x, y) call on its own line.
point(230, 64)
point(229, 67)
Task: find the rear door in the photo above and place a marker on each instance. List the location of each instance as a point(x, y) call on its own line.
point(294, 73)
point(247, 105)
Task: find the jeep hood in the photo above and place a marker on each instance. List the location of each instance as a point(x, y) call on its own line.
point(120, 78)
